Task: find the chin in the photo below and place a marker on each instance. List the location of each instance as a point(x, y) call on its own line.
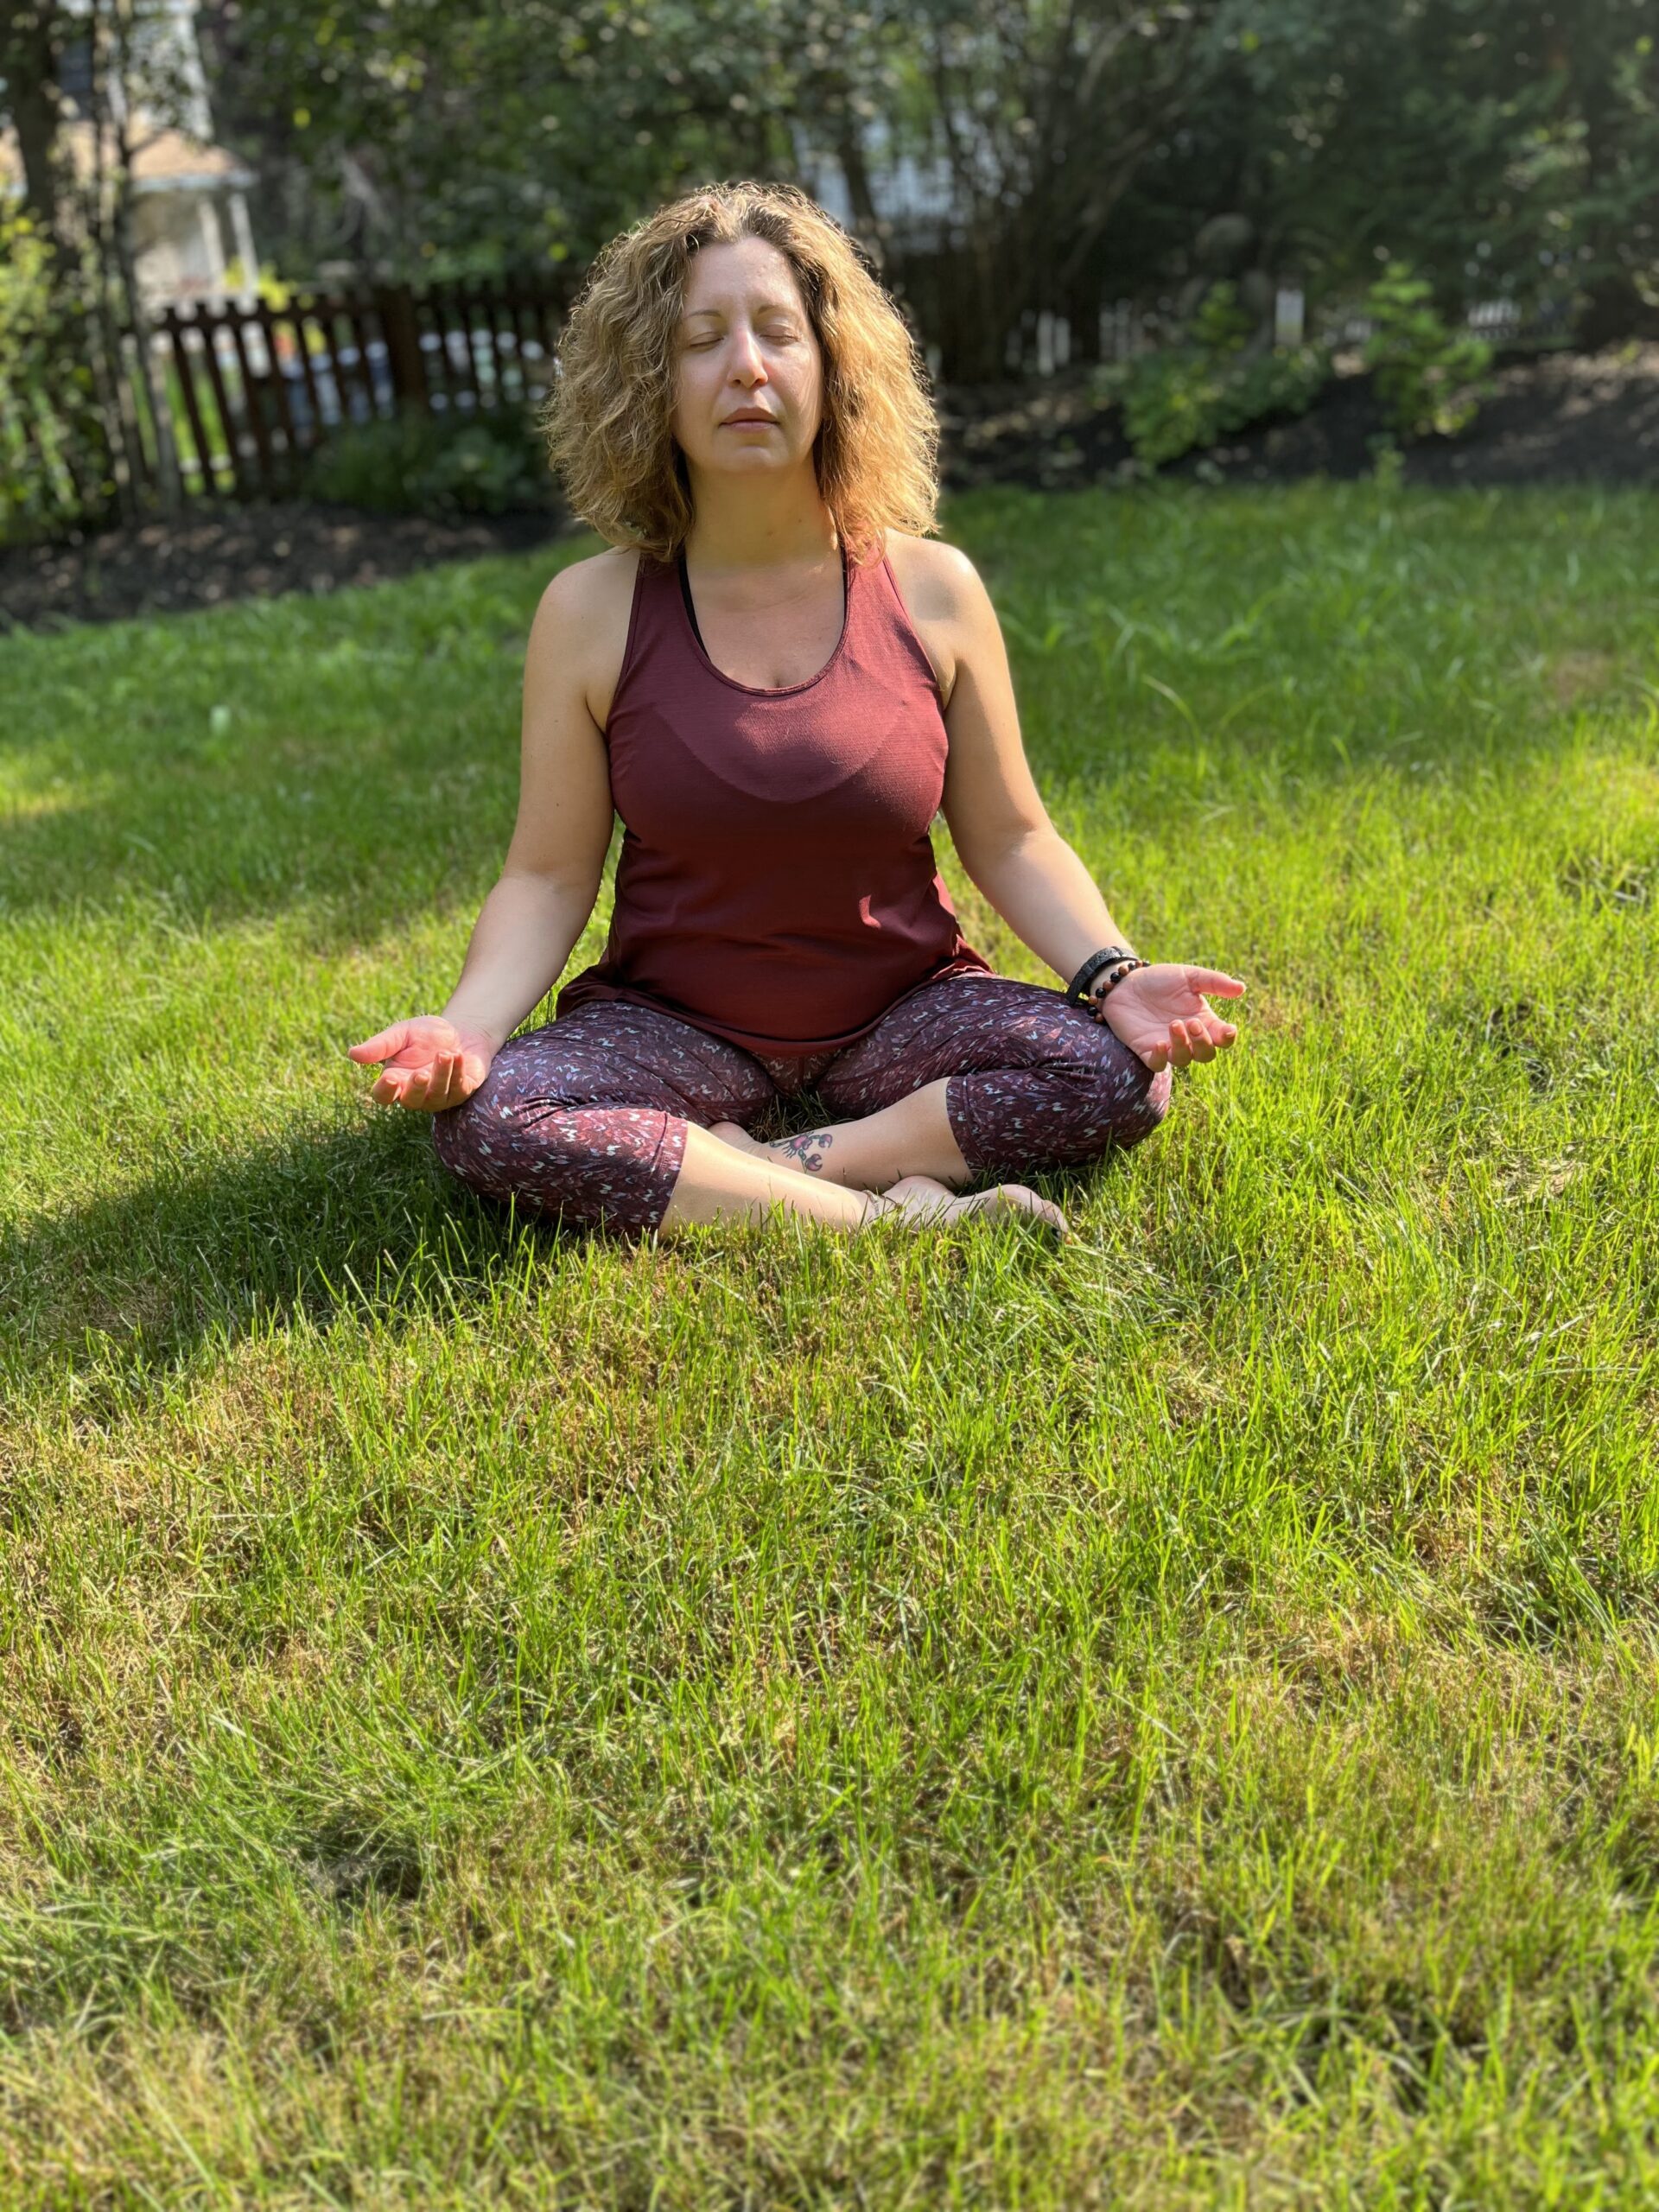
point(751, 462)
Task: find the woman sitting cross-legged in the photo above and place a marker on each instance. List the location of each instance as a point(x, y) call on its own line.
point(777, 681)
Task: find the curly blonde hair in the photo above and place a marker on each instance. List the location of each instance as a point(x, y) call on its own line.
point(609, 410)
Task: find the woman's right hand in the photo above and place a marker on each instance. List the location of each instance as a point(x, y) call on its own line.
point(426, 1064)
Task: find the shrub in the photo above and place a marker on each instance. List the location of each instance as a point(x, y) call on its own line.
point(421, 464)
point(53, 453)
point(1187, 396)
point(1428, 379)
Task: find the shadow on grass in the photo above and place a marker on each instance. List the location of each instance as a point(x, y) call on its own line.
point(357, 1221)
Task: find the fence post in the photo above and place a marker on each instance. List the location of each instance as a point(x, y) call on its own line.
point(395, 305)
point(252, 402)
point(173, 326)
point(210, 322)
point(277, 386)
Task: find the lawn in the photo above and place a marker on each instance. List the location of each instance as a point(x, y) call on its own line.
point(489, 1718)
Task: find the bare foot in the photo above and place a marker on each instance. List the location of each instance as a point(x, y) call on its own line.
point(919, 1199)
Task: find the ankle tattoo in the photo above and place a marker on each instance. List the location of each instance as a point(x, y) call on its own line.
point(806, 1150)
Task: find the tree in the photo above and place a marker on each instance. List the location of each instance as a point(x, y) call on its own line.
point(31, 36)
point(1500, 150)
point(62, 380)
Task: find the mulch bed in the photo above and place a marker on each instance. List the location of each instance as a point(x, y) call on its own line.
point(223, 552)
point(1562, 419)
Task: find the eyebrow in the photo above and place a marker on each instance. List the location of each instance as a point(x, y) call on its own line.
point(766, 307)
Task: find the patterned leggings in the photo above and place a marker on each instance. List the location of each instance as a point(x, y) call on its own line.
point(586, 1116)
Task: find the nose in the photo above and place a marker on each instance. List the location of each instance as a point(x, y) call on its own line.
point(747, 366)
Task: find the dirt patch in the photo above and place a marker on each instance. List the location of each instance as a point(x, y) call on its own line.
point(223, 552)
point(1563, 418)
point(1575, 676)
point(1555, 418)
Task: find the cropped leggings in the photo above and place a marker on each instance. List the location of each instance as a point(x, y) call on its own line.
point(586, 1118)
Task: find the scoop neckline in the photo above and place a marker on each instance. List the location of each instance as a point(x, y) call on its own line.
point(766, 690)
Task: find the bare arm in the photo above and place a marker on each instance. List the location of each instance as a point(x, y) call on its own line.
point(998, 822)
point(551, 877)
point(1017, 857)
point(549, 882)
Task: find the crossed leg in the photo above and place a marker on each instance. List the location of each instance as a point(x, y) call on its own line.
point(604, 1118)
point(973, 1075)
point(913, 1137)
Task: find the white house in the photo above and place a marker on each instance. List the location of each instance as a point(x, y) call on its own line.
point(189, 196)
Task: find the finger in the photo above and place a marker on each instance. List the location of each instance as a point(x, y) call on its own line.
point(1198, 1041)
point(432, 1098)
point(445, 1088)
point(1179, 1052)
point(387, 1091)
point(381, 1045)
point(1214, 982)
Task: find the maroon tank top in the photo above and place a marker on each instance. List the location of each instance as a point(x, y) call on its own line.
point(776, 885)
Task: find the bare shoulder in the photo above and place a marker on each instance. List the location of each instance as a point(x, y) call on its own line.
point(936, 578)
point(580, 629)
point(947, 602)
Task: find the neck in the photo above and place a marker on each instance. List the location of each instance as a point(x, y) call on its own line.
point(742, 523)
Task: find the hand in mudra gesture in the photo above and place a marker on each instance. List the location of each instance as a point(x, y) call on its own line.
point(428, 1063)
point(1159, 1013)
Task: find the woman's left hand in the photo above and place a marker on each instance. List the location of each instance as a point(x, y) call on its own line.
point(1159, 1013)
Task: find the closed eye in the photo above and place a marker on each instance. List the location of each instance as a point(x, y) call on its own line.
point(772, 337)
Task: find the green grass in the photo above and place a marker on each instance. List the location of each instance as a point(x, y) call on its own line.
point(776, 1721)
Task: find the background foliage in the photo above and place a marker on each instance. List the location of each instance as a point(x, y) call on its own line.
point(1066, 146)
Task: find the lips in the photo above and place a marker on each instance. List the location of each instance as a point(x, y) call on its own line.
point(733, 421)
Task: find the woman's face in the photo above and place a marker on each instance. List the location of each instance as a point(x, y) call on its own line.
point(749, 385)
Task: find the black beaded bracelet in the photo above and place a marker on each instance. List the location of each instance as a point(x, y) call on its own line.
point(1113, 956)
point(1124, 969)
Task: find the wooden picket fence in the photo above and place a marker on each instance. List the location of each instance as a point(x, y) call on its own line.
point(256, 389)
point(249, 391)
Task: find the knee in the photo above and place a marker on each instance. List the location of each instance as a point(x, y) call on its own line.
point(1068, 1114)
point(605, 1165)
point(1136, 1101)
point(475, 1140)
point(489, 1140)
point(1114, 1102)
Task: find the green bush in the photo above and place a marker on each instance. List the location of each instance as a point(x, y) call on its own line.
point(54, 456)
point(420, 464)
point(1428, 379)
point(1184, 397)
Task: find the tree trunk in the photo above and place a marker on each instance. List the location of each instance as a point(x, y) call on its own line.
point(849, 154)
point(1612, 310)
point(168, 483)
point(29, 64)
